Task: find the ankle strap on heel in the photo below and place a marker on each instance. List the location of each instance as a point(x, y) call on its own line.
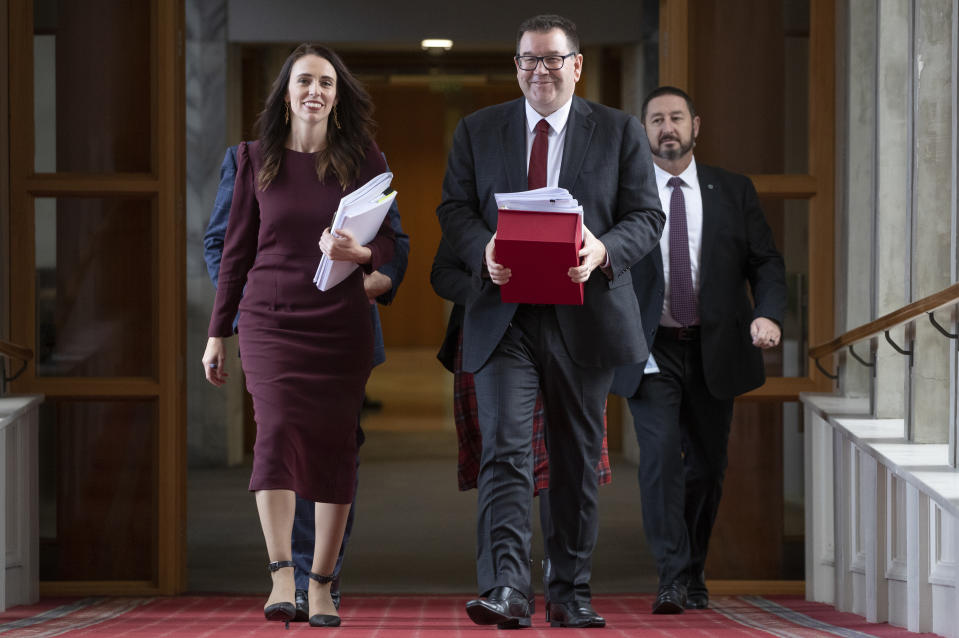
point(321, 579)
point(280, 564)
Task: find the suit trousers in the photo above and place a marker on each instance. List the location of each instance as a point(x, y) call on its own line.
point(304, 539)
point(532, 357)
point(683, 433)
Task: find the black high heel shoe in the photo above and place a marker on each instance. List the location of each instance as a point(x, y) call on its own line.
point(323, 620)
point(284, 612)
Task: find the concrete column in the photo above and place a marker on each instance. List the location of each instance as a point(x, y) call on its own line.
point(209, 439)
point(932, 219)
point(893, 192)
point(860, 146)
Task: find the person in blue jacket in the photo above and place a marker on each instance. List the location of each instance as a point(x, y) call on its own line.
point(380, 286)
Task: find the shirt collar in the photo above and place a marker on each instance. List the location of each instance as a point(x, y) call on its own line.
point(557, 119)
point(689, 176)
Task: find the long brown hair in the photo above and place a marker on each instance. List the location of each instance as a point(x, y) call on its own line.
point(346, 145)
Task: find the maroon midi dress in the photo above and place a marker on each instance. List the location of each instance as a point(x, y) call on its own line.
point(306, 354)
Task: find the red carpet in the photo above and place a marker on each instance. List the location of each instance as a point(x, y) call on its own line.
point(396, 616)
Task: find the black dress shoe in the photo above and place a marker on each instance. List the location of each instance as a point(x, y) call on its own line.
point(574, 613)
point(697, 597)
point(671, 599)
point(505, 607)
point(335, 595)
point(302, 603)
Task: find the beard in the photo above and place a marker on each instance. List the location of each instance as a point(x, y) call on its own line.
point(672, 154)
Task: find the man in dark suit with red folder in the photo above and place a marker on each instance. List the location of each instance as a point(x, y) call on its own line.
point(717, 249)
point(600, 155)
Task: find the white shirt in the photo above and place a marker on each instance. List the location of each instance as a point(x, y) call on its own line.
point(694, 228)
point(556, 139)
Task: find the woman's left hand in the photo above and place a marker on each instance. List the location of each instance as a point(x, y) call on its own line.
point(344, 247)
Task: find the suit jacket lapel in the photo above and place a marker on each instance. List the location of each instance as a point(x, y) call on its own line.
point(513, 139)
point(579, 131)
point(709, 189)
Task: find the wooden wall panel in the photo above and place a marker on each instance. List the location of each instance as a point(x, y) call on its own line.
point(416, 123)
point(4, 176)
point(747, 541)
point(411, 129)
point(736, 81)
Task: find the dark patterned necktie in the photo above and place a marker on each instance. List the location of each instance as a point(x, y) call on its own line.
point(536, 175)
point(682, 298)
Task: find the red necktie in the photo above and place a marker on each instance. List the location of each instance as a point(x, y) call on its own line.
point(536, 176)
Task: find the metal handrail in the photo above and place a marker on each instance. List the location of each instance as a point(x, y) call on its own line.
point(12, 350)
point(885, 323)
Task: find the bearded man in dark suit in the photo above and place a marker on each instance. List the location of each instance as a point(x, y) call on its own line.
point(716, 249)
point(568, 353)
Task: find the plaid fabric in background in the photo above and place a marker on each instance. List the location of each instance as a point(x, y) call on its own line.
point(471, 442)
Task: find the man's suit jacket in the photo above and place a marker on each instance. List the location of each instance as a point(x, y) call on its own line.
point(607, 166)
point(451, 279)
point(216, 232)
point(738, 256)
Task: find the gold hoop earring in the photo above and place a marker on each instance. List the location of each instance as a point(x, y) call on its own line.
point(286, 113)
point(336, 120)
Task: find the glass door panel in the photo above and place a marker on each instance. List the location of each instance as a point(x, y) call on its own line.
point(97, 278)
point(93, 86)
point(749, 68)
point(98, 486)
point(789, 220)
point(94, 286)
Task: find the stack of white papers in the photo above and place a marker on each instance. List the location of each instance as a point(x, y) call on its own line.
point(542, 200)
point(362, 213)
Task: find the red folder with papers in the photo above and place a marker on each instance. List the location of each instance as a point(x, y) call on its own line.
point(539, 248)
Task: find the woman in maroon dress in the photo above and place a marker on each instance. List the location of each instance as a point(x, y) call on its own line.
point(306, 354)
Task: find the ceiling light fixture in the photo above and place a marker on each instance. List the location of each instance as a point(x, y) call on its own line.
point(436, 46)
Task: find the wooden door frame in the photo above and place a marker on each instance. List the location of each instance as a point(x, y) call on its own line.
point(4, 173)
point(165, 184)
point(818, 186)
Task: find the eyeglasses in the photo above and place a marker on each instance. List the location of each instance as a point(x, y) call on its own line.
point(551, 62)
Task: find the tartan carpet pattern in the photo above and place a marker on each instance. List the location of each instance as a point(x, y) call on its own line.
point(427, 617)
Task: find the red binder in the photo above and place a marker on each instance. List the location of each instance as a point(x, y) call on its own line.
point(539, 248)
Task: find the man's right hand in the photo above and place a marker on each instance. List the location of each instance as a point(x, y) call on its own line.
point(498, 273)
